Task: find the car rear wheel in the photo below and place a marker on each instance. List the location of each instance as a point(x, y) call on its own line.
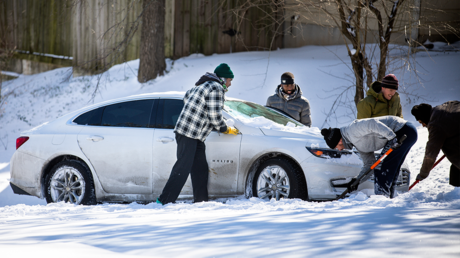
point(70, 181)
point(279, 178)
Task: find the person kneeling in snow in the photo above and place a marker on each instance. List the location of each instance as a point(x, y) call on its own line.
point(443, 123)
point(201, 113)
point(372, 134)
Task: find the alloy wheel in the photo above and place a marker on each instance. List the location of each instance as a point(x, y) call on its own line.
point(273, 182)
point(67, 185)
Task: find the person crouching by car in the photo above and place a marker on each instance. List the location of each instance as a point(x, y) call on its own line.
point(201, 113)
point(288, 98)
point(372, 134)
point(443, 123)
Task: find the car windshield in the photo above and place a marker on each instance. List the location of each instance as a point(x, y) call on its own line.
point(243, 110)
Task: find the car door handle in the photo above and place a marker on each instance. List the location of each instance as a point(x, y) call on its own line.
point(95, 138)
point(165, 139)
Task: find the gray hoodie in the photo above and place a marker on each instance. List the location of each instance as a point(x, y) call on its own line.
point(370, 134)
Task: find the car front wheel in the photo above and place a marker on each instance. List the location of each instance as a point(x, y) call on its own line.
point(70, 181)
point(279, 178)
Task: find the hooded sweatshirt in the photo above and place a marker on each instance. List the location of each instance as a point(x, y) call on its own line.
point(375, 105)
point(202, 109)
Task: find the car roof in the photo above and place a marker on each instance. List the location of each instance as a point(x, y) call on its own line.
point(167, 94)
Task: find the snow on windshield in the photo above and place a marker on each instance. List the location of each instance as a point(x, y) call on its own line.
point(262, 117)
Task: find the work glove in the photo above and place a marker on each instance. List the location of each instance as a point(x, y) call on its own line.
point(231, 130)
point(420, 177)
point(350, 186)
point(393, 143)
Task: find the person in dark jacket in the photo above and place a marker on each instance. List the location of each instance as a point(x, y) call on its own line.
point(201, 113)
point(443, 123)
point(372, 134)
point(288, 98)
point(382, 99)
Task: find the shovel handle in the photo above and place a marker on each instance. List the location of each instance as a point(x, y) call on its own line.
point(437, 162)
point(416, 182)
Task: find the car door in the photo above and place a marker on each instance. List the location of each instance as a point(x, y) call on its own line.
point(222, 153)
point(120, 146)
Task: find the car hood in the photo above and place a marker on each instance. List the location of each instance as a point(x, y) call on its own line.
point(311, 135)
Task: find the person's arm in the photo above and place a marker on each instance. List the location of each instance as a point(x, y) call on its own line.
point(269, 101)
point(368, 160)
point(214, 105)
point(305, 115)
point(364, 109)
point(436, 139)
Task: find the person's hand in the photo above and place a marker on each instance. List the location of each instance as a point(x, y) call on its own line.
point(350, 186)
point(231, 130)
point(420, 177)
point(393, 143)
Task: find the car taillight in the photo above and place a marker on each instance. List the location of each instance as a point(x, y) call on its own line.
point(20, 141)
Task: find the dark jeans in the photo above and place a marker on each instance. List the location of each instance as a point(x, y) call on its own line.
point(454, 178)
point(451, 148)
point(387, 175)
point(191, 159)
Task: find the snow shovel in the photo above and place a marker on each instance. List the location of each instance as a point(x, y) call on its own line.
point(437, 162)
point(356, 183)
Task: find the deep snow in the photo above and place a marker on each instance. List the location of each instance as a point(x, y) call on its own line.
point(424, 222)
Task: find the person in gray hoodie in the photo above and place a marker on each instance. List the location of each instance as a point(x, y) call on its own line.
point(288, 98)
point(372, 134)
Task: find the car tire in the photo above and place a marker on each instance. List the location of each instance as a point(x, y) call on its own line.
point(70, 181)
point(279, 178)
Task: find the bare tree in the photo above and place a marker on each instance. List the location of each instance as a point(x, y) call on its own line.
point(152, 51)
point(353, 18)
point(6, 45)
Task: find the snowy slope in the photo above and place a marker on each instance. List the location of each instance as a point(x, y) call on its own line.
point(424, 222)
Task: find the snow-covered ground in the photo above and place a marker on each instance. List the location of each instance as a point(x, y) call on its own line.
point(424, 222)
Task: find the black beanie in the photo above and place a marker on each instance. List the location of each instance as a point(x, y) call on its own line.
point(287, 78)
point(331, 136)
point(390, 81)
point(422, 112)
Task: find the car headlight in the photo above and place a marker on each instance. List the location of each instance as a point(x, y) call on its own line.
point(328, 153)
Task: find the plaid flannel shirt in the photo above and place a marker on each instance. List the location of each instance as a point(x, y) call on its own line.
point(202, 111)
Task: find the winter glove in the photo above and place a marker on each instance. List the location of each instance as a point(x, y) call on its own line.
point(231, 130)
point(393, 143)
point(350, 186)
point(420, 177)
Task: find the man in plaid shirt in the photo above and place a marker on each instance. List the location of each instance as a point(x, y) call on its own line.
point(202, 112)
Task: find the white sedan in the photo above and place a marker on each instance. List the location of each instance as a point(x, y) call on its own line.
point(123, 151)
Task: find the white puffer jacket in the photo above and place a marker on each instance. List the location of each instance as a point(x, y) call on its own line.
point(370, 134)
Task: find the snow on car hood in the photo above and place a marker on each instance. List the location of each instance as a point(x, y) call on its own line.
point(271, 128)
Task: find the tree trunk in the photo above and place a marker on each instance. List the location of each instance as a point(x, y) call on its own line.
point(357, 64)
point(152, 52)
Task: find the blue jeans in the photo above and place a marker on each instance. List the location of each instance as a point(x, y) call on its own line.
point(387, 175)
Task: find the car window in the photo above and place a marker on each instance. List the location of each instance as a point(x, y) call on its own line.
point(92, 117)
point(170, 113)
point(128, 114)
point(252, 110)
